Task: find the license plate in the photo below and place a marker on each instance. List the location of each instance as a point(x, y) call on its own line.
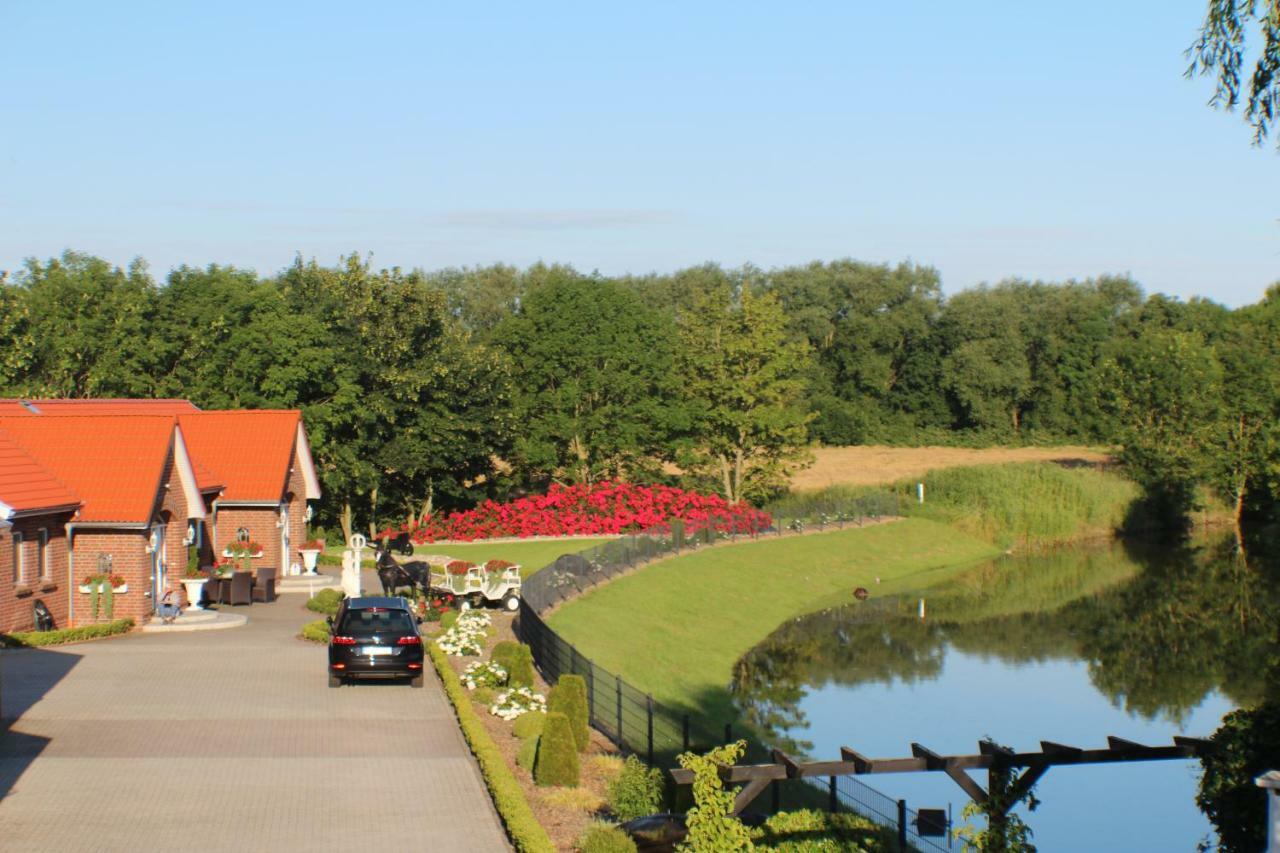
point(375, 651)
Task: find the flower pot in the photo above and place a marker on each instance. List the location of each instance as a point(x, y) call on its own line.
point(309, 557)
point(194, 588)
point(123, 588)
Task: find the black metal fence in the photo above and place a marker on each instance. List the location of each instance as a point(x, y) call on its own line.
point(657, 732)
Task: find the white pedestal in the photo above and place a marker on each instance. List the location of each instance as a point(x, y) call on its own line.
point(350, 574)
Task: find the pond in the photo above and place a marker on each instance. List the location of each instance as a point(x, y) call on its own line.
point(1120, 639)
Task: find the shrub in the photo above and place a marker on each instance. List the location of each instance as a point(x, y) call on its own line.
point(519, 666)
point(636, 792)
point(573, 799)
point(19, 639)
point(515, 702)
point(712, 826)
point(605, 838)
point(527, 835)
point(528, 753)
point(808, 831)
point(316, 632)
point(569, 697)
point(502, 653)
point(557, 761)
point(325, 601)
point(529, 725)
point(483, 695)
point(1247, 745)
point(484, 674)
point(448, 619)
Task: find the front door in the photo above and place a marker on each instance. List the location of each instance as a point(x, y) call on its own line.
point(159, 564)
point(284, 541)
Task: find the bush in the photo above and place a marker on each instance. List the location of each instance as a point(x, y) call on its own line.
point(569, 697)
point(712, 825)
point(605, 838)
point(316, 632)
point(557, 760)
point(503, 653)
point(448, 619)
point(19, 639)
point(517, 660)
point(808, 831)
point(527, 835)
point(1247, 745)
point(528, 753)
point(325, 601)
point(529, 725)
point(483, 695)
point(636, 792)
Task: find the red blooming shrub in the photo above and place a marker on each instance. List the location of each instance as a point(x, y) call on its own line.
point(601, 509)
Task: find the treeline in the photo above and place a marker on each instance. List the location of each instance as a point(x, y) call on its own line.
point(433, 389)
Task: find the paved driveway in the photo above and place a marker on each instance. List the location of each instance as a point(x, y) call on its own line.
point(229, 740)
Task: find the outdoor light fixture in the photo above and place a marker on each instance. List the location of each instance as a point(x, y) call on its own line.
point(191, 534)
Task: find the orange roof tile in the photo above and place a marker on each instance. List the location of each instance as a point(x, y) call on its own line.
point(249, 451)
point(25, 485)
point(113, 462)
point(111, 406)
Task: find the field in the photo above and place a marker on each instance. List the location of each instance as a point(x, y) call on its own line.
point(698, 613)
point(871, 465)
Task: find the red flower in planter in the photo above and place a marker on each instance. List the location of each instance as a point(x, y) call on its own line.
point(459, 567)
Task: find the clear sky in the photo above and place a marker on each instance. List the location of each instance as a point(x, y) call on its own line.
point(1042, 140)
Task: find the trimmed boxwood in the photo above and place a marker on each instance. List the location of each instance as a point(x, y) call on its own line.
point(557, 761)
point(569, 697)
point(20, 639)
point(529, 725)
point(523, 829)
point(517, 660)
point(316, 632)
point(605, 838)
point(325, 601)
point(528, 752)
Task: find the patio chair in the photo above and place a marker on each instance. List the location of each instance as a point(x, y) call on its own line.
point(241, 588)
point(215, 591)
point(264, 586)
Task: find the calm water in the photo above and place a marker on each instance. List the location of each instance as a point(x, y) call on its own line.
point(1070, 647)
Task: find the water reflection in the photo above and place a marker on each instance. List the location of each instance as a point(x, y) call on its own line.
point(1159, 629)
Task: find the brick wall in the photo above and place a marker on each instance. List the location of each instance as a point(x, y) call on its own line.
point(296, 493)
point(129, 559)
point(17, 599)
point(261, 522)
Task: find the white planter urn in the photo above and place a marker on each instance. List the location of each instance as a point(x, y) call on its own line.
point(309, 557)
point(194, 588)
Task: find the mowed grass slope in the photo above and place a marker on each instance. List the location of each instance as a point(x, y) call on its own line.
point(676, 627)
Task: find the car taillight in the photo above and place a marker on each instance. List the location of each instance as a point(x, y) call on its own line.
point(344, 641)
point(415, 666)
point(339, 666)
point(409, 641)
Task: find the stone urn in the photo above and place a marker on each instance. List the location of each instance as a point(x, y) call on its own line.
point(195, 589)
point(309, 557)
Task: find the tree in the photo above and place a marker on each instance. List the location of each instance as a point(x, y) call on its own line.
point(1219, 52)
point(744, 375)
point(598, 394)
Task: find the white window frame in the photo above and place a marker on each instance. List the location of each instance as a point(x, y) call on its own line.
point(42, 555)
point(19, 567)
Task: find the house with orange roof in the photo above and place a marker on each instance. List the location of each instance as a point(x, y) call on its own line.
point(139, 501)
point(263, 460)
point(35, 507)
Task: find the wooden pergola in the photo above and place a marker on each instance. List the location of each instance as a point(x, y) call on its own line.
point(1010, 774)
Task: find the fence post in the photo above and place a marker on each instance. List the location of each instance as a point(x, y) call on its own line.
point(833, 801)
point(617, 679)
point(774, 791)
point(648, 701)
point(685, 733)
point(902, 825)
point(728, 733)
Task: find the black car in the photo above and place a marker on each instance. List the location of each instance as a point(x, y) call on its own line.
point(374, 637)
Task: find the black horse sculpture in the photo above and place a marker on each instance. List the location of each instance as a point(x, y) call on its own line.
point(393, 575)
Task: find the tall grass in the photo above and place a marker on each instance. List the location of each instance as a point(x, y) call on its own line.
point(1024, 505)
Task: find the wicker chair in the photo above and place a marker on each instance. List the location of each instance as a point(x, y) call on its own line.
point(264, 586)
point(241, 588)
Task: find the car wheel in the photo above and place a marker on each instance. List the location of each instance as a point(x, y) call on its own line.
point(416, 681)
point(335, 681)
point(511, 602)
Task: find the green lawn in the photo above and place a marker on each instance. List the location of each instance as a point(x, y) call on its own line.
point(531, 555)
point(695, 615)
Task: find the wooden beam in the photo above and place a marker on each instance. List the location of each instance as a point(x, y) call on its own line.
point(990, 747)
point(860, 762)
point(751, 772)
point(1198, 744)
point(1119, 743)
point(932, 760)
point(1051, 748)
point(793, 768)
point(970, 787)
point(745, 797)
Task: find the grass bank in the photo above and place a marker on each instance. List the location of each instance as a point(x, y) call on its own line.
point(1026, 506)
point(698, 613)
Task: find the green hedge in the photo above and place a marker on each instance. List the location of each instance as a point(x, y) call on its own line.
point(569, 697)
point(525, 832)
point(316, 632)
point(557, 761)
point(20, 639)
point(325, 601)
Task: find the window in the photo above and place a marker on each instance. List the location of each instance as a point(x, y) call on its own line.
point(42, 555)
point(19, 570)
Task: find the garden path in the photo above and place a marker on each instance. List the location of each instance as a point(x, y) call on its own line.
point(228, 740)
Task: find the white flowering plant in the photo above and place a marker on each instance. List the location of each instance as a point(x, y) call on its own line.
point(484, 674)
point(466, 637)
point(510, 704)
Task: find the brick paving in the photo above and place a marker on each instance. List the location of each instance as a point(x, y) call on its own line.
point(228, 740)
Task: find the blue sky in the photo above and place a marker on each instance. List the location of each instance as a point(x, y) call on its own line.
point(987, 139)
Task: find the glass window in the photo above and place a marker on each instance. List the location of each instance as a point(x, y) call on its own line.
point(19, 570)
point(366, 623)
point(42, 555)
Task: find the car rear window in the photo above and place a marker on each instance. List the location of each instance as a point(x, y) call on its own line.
point(364, 623)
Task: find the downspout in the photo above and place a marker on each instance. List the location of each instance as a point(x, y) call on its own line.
point(213, 527)
point(71, 573)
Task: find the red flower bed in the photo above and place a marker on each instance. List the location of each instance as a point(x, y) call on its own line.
point(601, 509)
